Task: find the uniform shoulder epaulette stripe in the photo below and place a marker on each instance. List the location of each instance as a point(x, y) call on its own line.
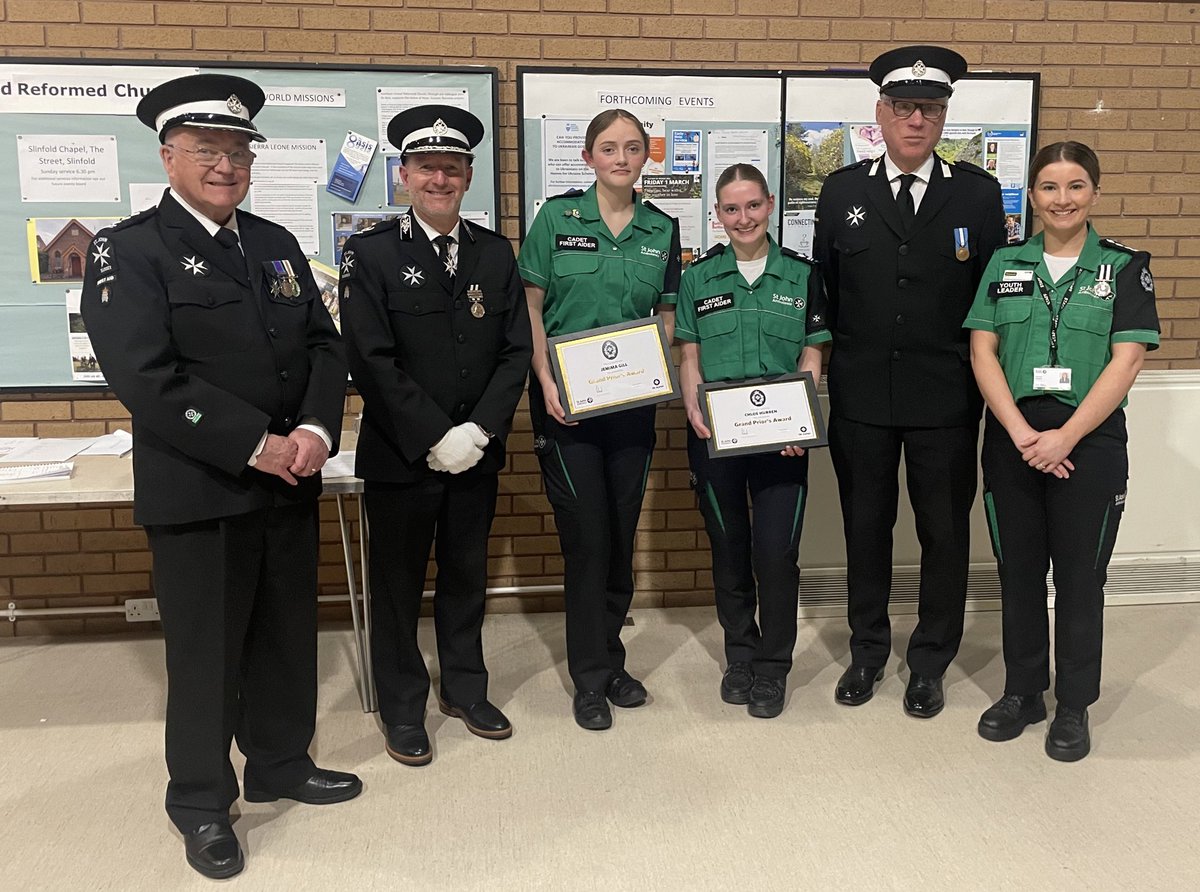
point(1109, 243)
point(715, 251)
point(649, 205)
point(570, 193)
point(854, 166)
point(139, 217)
point(972, 168)
point(482, 230)
point(796, 255)
point(382, 226)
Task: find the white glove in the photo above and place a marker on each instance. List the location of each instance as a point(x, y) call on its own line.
point(477, 435)
point(456, 451)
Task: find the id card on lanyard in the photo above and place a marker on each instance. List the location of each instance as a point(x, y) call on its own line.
point(1053, 377)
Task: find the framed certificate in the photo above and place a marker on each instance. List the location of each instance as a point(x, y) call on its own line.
point(762, 414)
point(613, 368)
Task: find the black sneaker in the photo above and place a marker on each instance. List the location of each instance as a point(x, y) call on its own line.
point(766, 697)
point(1068, 739)
point(737, 682)
point(625, 691)
point(1007, 717)
point(591, 711)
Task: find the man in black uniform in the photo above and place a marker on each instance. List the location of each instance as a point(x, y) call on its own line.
point(437, 334)
point(210, 329)
point(903, 240)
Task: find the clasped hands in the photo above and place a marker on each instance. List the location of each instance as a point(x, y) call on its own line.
point(1047, 451)
point(459, 450)
point(300, 454)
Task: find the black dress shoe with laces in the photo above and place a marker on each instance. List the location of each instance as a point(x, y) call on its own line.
point(1068, 739)
point(857, 684)
point(591, 711)
point(737, 682)
point(625, 691)
point(766, 697)
point(213, 850)
point(923, 699)
point(482, 719)
point(1007, 717)
point(322, 787)
point(409, 744)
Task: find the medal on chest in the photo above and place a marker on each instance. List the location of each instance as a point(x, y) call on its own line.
point(475, 296)
point(283, 280)
point(961, 251)
point(1103, 286)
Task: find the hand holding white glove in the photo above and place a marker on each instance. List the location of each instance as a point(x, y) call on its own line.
point(456, 451)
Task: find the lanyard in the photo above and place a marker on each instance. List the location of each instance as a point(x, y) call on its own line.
point(1055, 317)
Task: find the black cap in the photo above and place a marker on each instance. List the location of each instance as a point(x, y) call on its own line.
point(918, 72)
point(213, 101)
point(435, 128)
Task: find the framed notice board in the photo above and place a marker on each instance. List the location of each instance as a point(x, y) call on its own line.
point(797, 127)
point(77, 160)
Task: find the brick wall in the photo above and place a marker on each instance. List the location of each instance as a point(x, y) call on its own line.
point(1122, 76)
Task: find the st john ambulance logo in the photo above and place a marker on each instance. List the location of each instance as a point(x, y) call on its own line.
point(855, 216)
point(758, 398)
point(413, 277)
point(194, 266)
point(609, 349)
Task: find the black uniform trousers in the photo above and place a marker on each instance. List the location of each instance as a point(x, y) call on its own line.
point(1037, 520)
point(942, 476)
point(452, 513)
point(595, 478)
point(754, 559)
point(239, 616)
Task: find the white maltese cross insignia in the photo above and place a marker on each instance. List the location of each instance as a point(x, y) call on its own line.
point(194, 266)
point(413, 276)
point(855, 216)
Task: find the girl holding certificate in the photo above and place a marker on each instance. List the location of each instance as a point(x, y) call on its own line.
point(593, 259)
point(1062, 323)
point(747, 310)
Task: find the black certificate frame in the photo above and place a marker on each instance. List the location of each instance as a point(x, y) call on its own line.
point(560, 382)
point(821, 437)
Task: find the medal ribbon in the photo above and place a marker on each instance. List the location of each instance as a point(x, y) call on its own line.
point(1055, 317)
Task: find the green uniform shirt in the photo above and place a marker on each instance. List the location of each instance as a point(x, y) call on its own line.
point(751, 329)
point(591, 278)
point(1112, 302)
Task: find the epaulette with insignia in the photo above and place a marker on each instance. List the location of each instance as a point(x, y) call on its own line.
point(715, 251)
point(139, 217)
point(376, 228)
point(796, 255)
point(972, 168)
point(1109, 243)
point(570, 193)
point(854, 166)
point(473, 227)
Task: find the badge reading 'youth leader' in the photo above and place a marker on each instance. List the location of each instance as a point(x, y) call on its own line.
point(475, 296)
point(961, 251)
point(283, 280)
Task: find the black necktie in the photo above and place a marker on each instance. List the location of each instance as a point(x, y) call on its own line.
point(904, 199)
point(228, 240)
point(443, 243)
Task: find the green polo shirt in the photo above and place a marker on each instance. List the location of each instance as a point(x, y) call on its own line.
point(751, 329)
point(591, 278)
point(1112, 302)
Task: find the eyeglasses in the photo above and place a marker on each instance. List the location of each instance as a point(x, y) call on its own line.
point(207, 157)
point(904, 108)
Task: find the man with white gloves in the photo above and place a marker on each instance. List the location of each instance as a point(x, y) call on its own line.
point(437, 335)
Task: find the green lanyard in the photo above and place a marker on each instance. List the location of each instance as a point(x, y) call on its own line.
point(1055, 317)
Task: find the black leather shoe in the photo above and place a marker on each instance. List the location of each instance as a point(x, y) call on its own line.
point(591, 711)
point(766, 697)
point(482, 719)
point(213, 850)
point(737, 682)
point(409, 744)
point(1068, 740)
point(857, 684)
point(323, 787)
point(625, 691)
point(1007, 717)
point(923, 698)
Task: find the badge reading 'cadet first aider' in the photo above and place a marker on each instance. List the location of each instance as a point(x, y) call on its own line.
point(475, 296)
point(961, 251)
point(284, 282)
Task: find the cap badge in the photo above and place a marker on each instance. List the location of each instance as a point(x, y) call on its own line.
point(918, 69)
point(234, 104)
point(439, 127)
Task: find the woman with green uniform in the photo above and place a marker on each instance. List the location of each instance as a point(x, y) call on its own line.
point(1062, 323)
point(748, 310)
point(592, 259)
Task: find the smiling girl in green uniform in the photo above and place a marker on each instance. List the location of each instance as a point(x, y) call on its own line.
point(590, 259)
point(748, 310)
point(1062, 323)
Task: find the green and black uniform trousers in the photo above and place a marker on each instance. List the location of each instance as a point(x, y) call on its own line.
point(754, 560)
point(595, 477)
point(1037, 521)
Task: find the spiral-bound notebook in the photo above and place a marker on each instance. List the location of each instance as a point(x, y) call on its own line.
point(27, 473)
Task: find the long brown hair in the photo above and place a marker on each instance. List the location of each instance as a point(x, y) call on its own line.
point(1069, 150)
point(606, 119)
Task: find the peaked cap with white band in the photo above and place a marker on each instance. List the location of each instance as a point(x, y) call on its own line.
point(918, 72)
point(212, 101)
point(435, 128)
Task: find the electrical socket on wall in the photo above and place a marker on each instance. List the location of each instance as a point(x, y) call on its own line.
point(141, 610)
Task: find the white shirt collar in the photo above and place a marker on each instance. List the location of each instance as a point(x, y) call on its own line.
point(924, 172)
point(210, 226)
point(433, 233)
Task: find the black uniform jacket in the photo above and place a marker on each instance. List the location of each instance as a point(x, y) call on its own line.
point(897, 298)
point(421, 359)
point(192, 341)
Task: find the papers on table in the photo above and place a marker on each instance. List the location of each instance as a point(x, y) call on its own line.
point(28, 473)
point(31, 450)
point(117, 443)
